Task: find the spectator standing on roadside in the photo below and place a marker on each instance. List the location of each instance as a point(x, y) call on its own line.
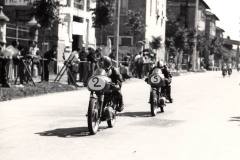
point(139, 64)
point(98, 55)
point(12, 65)
point(73, 68)
point(21, 68)
point(34, 53)
point(82, 65)
point(48, 56)
point(91, 57)
point(4, 60)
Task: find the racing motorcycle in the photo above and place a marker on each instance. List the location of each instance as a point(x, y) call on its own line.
point(102, 103)
point(238, 67)
point(157, 93)
point(224, 71)
point(229, 71)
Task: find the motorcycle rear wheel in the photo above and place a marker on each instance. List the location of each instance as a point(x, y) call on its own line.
point(93, 116)
point(111, 122)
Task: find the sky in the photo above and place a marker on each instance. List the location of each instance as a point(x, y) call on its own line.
point(228, 11)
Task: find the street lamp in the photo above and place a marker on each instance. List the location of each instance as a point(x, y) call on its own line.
point(33, 33)
point(116, 34)
point(3, 20)
point(194, 55)
point(33, 30)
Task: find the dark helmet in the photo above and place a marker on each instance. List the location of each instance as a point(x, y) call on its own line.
point(106, 62)
point(160, 64)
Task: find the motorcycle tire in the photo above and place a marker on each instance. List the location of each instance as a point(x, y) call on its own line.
point(153, 104)
point(93, 116)
point(162, 109)
point(111, 122)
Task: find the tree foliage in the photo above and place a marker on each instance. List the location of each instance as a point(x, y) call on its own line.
point(156, 42)
point(47, 12)
point(178, 36)
point(216, 47)
point(135, 22)
point(103, 13)
point(179, 41)
point(228, 46)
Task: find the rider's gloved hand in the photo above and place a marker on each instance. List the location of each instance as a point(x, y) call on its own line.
point(146, 80)
point(115, 86)
point(168, 80)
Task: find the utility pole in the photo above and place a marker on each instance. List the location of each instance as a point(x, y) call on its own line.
point(186, 13)
point(117, 22)
point(194, 55)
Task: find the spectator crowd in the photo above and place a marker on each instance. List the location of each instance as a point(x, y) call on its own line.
point(24, 63)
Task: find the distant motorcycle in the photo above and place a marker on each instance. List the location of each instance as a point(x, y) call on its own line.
point(102, 103)
point(238, 67)
point(229, 71)
point(224, 71)
point(157, 93)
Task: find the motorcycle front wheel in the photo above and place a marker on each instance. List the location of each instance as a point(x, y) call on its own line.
point(93, 116)
point(153, 103)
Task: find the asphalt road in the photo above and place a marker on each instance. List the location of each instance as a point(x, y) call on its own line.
point(203, 123)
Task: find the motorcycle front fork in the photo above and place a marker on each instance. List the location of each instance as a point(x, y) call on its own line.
point(100, 98)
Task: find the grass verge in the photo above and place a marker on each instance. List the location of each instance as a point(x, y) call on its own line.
point(29, 90)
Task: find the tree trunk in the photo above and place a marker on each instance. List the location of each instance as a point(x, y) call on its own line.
point(101, 34)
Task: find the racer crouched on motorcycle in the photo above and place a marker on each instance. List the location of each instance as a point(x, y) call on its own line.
point(167, 79)
point(115, 76)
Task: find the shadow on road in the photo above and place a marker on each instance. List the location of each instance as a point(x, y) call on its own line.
point(236, 119)
point(135, 114)
point(68, 132)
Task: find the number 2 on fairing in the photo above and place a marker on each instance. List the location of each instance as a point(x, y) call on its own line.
point(95, 81)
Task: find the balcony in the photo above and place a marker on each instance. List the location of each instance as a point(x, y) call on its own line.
point(79, 4)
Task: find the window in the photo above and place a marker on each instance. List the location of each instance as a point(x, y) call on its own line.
point(22, 15)
point(123, 40)
point(124, 7)
point(126, 41)
point(79, 4)
point(88, 5)
point(78, 19)
point(183, 10)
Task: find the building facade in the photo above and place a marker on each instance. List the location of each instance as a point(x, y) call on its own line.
point(219, 32)
point(154, 18)
point(74, 31)
point(211, 27)
point(184, 12)
point(191, 15)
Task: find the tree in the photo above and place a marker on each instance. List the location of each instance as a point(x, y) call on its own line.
point(102, 15)
point(156, 42)
point(228, 46)
point(47, 15)
point(179, 37)
point(47, 12)
point(216, 49)
point(136, 24)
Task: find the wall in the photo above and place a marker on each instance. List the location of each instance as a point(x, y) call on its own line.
point(68, 28)
point(156, 24)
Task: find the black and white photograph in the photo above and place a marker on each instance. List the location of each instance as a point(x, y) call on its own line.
point(119, 79)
